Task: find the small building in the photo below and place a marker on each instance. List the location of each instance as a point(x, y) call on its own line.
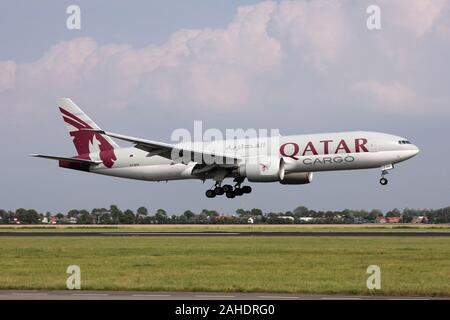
point(382, 219)
point(286, 218)
point(72, 220)
point(420, 219)
point(14, 221)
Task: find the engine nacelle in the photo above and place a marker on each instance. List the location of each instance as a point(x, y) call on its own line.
point(267, 169)
point(297, 178)
point(272, 169)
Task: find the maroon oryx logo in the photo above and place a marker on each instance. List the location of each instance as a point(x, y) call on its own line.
point(82, 139)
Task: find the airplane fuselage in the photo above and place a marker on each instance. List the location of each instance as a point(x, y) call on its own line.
point(285, 159)
point(302, 153)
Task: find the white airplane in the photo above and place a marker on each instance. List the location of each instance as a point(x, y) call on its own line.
point(284, 159)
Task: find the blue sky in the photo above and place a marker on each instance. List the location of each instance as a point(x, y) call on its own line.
point(145, 68)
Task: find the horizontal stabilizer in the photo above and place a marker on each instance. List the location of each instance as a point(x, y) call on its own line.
point(73, 160)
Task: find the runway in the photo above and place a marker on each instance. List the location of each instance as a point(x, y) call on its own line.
point(223, 234)
point(142, 295)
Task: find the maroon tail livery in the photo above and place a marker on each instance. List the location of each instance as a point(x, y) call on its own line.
point(87, 143)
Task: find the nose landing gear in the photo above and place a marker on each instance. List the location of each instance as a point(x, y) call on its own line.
point(384, 171)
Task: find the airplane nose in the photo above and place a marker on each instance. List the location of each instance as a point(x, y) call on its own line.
point(416, 149)
point(413, 151)
point(408, 151)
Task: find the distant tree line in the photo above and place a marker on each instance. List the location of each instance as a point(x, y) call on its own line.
point(301, 214)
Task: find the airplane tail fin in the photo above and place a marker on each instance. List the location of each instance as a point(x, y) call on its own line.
point(86, 141)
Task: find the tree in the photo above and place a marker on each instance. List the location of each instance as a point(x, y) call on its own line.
point(301, 211)
point(272, 215)
point(148, 220)
point(161, 216)
point(100, 214)
point(85, 217)
point(202, 217)
point(74, 213)
point(394, 213)
point(242, 213)
point(104, 217)
point(128, 217)
point(210, 213)
point(439, 215)
point(142, 211)
point(116, 214)
point(348, 213)
point(27, 216)
point(189, 215)
point(4, 216)
point(256, 212)
point(374, 214)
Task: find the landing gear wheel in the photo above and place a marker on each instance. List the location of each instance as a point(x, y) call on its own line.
point(246, 189)
point(219, 191)
point(227, 188)
point(210, 193)
point(230, 194)
point(238, 191)
point(383, 181)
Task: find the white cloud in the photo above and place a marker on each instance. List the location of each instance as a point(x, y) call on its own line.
point(418, 16)
point(316, 49)
point(204, 67)
point(7, 75)
point(315, 30)
point(394, 96)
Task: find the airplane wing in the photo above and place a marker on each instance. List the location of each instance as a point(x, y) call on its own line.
point(73, 160)
point(167, 150)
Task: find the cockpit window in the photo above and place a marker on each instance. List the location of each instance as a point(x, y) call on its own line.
point(404, 142)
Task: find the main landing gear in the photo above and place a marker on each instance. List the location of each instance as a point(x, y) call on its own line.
point(384, 171)
point(227, 189)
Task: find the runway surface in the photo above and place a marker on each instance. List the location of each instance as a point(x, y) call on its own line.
point(141, 295)
point(224, 234)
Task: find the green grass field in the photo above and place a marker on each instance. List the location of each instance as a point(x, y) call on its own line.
point(409, 265)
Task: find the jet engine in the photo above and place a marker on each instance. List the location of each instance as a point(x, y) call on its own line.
point(266, 169)
point(272, 169)
point(297, 178)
